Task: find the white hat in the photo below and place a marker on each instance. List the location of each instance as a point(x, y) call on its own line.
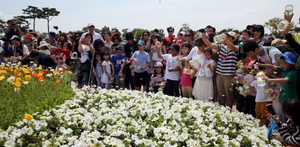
point(158, 64)
point(74, 56)
point(182, 32)
point(90, 24)
point(43, 43)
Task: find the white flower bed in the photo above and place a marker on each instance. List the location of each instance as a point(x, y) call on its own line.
point(103, 117)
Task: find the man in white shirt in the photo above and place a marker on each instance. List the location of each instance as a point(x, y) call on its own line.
point(91, 30)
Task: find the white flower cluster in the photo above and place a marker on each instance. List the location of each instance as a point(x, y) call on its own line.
point(100, 117)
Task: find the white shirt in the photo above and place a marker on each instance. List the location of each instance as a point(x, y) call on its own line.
point(193, 54)
point(261, 94)
point(25, 49)
point(204, 70)
point(84, 54)
point(95, 37)
point(271, 58)
point(171, 63)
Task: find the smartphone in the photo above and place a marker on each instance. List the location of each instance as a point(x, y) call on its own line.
point(270, 109)
point(84, 41)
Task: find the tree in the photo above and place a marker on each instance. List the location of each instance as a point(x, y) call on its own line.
point(185, 27)
point(227, 30)
point(138, 33)
point(48, 14)
point(32, 12)
point(272, 25)
point(104, 29)
point(84, 29)
point(3, 25)
point(21, 22)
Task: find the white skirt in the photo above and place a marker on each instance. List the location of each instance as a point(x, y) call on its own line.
point(203, 89)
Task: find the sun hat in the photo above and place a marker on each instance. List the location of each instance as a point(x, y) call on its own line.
point(52, 34)
point(43, 43)
point(74, 56)
point(289, 58)
point(158, 64)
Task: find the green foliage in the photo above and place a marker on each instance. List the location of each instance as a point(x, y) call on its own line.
point(3, 25)
point(48, 14)
point(138, 33)
point(84, 29)
point(32, 12)
point(227, 30)
point(272, 25)
point(22, 22)
point(36, 96)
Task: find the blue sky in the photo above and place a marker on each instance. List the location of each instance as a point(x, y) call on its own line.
point(150, 14)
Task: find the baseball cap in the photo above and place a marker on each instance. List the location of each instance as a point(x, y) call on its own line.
point(174, 46)
point(182, 32)
point(90, 24)
point(289, 58)
point(158, 64)
point(232, 34)
point(141, 42)
point(74, 55)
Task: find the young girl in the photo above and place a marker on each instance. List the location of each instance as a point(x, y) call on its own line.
point(203, 88)
point(98, 69)
point(290, 131)
point(157, 77)
point(186, 79)
point(68, 66)
point(107, 68)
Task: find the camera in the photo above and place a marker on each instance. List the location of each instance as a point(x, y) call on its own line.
point(12, 24)
point(55, 27)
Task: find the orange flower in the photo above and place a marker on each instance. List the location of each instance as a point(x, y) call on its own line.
point(41, 78)
point(34, 74)
point(15, 72)
point(19, 74)
point(69, 72)
point(57, 80)
point(14, 76)
point(46, 70)
point(41, 72)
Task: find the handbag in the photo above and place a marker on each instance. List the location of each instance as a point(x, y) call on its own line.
point(86, 66)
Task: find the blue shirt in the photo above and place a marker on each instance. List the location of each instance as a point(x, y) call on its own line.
point(118, 61)
point(99, 70)
point(143, 58)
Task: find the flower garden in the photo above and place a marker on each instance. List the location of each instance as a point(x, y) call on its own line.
point(44, 111)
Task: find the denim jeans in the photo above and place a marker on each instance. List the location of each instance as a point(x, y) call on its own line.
point(86, 75)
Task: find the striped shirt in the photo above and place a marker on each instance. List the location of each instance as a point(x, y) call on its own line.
point(227, 61)
point(290, 133)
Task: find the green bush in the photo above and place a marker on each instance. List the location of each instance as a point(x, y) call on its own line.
point(35, 96)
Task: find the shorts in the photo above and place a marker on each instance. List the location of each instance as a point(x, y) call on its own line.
point(141, 78)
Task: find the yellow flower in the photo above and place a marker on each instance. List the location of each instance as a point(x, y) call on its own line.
point(18, 79)
point(28, 116)
point(40, 67)
point(18, 84)
point(1, 78)
point(28, 77)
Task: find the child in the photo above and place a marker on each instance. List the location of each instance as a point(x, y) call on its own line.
point(260, 97)
point(98, 69)
point(203, 88)
point(68, 66)
point(185, 50)
point(288, 81)
point(107, 68)
point(43, 48)
point(77, 63)
point(118, 62)
point(225, 67)
point(142, 60)
point(186, 79)
point(242, 70)
point(172, 75)
point(157, 77)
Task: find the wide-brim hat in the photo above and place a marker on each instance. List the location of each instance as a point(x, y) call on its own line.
point(43, 43)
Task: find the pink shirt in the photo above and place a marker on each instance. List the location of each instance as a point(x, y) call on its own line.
point(186, 78)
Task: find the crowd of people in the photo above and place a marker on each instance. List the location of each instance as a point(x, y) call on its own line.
point(245, 67)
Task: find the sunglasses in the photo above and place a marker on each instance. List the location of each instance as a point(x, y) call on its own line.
point(145, 35)
point(187, 35)
point(170, 31)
